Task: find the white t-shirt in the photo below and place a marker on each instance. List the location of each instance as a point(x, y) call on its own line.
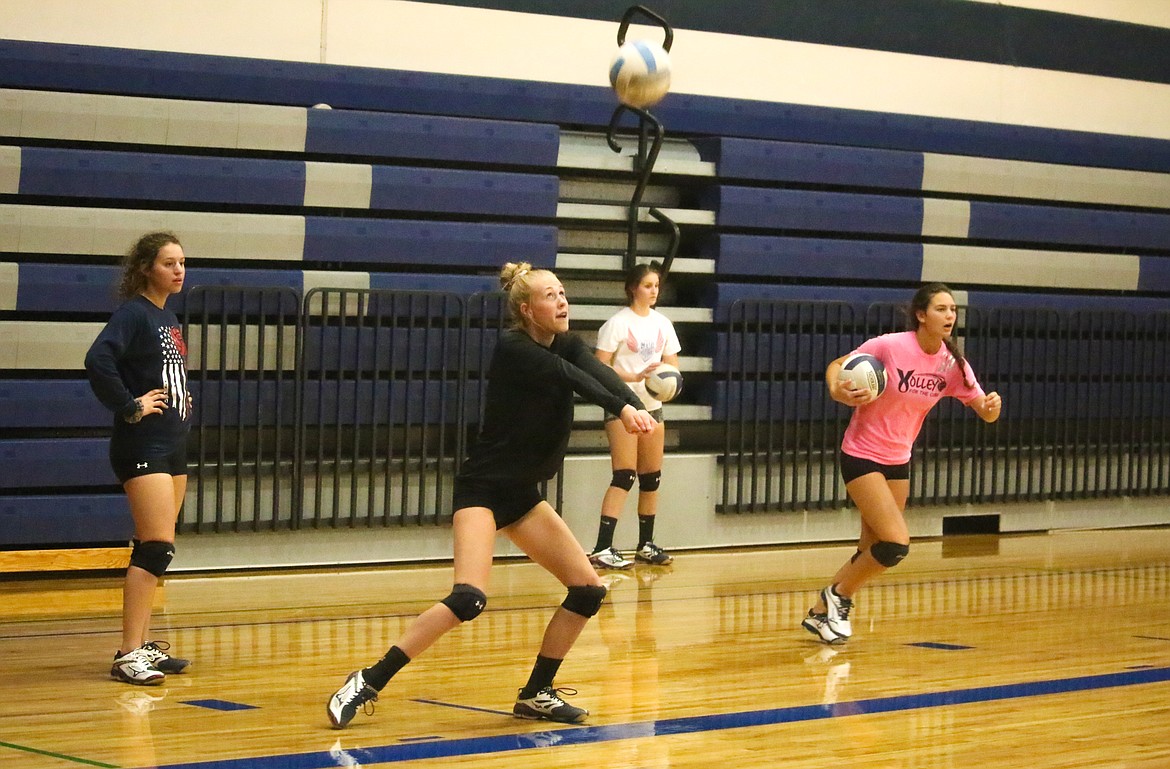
point(638, 342)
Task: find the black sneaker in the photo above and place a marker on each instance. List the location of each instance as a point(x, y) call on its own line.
point(547, 704)
point(156, 651)
point(344, 703)
point(652, 554)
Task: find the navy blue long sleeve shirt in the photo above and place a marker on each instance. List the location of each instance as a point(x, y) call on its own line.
point(141, 349)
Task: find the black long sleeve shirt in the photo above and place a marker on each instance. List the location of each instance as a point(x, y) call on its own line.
point(141, 349)
point(528, 413)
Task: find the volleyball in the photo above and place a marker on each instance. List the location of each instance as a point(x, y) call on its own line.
point(865, 372)
point(640, 73)
point(664, 383)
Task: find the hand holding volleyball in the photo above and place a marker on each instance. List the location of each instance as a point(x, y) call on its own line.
point(664, 382)
point(862, 373)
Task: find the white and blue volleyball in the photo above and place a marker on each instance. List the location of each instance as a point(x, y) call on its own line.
point(865, 372)
point(664, 383)
point(640, 73)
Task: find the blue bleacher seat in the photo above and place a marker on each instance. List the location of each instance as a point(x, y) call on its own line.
point(785, 257)
point(67, 287)
point(450, 244)
point(776, 209)
point(64, 519)
point(1075, 226)
point(464, 191)
point(55, 462)
point(1154, 274)
point(821, 164)
point(50, 403)
point(338, 132)
point(99, 174)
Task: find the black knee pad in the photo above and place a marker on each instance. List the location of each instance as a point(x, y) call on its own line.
point(649, 481)
point(889, 553)
point(465, 601)
point(152, 556)
point(623, 479)
point(584, 599)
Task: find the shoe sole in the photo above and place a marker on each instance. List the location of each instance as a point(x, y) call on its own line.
point(816, 631)
point(175, 669)
point(533, 715)
point(607, 567)
point(157, 681)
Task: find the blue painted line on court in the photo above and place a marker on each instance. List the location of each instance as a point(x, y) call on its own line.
point(218, 705)
point(505, 743)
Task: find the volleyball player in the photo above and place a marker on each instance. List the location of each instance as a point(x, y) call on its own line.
point(923, 364)
point(137, 368)
point(535, 370)
point(634, 342)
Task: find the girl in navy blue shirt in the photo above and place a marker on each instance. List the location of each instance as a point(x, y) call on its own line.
point(137, 368)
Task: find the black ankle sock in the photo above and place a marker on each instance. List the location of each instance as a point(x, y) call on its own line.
point(380, 673)
point(605, 533)
point(645, 529)
point(543, 673)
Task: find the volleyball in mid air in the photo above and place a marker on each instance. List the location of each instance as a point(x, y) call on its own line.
point(640, 73)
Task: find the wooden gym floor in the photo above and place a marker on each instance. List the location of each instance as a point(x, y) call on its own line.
point(978, 652)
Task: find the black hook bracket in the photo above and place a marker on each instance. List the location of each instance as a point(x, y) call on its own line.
point(647, 156)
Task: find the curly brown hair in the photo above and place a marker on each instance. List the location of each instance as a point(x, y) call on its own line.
point(139, 259)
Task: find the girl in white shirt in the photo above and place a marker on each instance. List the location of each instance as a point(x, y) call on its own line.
point(635, 341)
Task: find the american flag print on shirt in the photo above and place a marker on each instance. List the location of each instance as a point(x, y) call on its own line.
point(174, 370)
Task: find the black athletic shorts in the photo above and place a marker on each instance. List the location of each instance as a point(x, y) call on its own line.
point(507, 501)
point(131, 458)
point(855, 467)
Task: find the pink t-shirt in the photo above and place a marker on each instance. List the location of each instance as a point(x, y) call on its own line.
point(884, 431)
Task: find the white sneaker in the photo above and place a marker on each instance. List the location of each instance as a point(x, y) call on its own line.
point(548, 704)
point(135, 667)
point(652, 554)
point(818, 625)
point(354, 694)
point(609, 558)
point(837, 610)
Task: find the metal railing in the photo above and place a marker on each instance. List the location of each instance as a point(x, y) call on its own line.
point(354, 408)
point(1085, 412)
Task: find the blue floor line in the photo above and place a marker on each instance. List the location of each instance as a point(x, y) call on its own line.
point(716, 722)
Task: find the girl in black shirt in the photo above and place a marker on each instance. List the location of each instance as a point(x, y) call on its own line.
point(137, 368)
point(535, 370)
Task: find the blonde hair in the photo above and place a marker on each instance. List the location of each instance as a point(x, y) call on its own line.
point(516, 280)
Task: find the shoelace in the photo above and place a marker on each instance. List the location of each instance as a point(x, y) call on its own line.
point(555, 694)
point(844, 607)
point(155, 651)
point(368, 702)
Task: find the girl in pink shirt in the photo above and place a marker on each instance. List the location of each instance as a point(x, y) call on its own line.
point(922, 365)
